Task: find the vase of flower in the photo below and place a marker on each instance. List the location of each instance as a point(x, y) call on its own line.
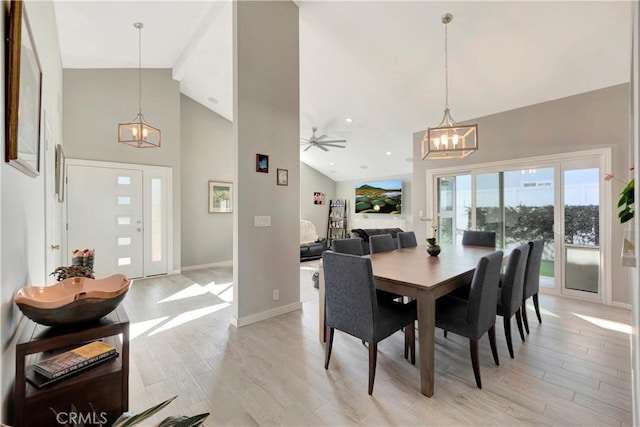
point(433, 248)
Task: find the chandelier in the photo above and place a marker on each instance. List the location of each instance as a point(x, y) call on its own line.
point(138, 133)
point(449, 140)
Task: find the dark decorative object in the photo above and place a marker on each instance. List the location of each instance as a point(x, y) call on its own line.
point(433, 247)
point(74, 300)
point(62, 273)
point(24, 86)
point(262, 163)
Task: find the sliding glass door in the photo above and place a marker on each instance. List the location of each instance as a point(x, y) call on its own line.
point(556, 200)
point(581, 243)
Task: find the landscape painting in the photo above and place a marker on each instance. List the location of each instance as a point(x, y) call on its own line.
point(380, 197)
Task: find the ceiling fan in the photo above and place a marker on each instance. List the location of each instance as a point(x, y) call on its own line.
point(320, 141)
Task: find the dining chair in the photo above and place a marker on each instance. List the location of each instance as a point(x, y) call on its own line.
point(407, 239)
point(352, 306)
point(473, 317)
point(348, 246)
point(510, 292)
point(354, 247)
point(381, 243)
point(479, 238)
point(532, 279)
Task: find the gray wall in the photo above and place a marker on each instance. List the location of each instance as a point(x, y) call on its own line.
point(346, 190)
point(96, 100)
point(590, 120)
point(312, 181)
point(267, 121)
point(206, 155)
point(22, 209)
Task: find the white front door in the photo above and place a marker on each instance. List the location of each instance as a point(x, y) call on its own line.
point(104, 212)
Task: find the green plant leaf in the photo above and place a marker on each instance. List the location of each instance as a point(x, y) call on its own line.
point(125, 420)
point(184, 421)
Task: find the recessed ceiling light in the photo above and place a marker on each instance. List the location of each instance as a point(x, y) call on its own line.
point(364, 167)
point(388, 153)
point(348, 120)
point(331, 163)
point(212, 100)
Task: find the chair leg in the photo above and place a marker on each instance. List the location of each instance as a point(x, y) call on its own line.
point(535, 304)
point(475, 362)
point(328, 345)
point(525, 321)
point(507, 334)
point(519, 323)
point(492, 342)
point(445, 333)
point(373, 358)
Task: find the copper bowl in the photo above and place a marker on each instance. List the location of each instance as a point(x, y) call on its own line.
point(73, 300)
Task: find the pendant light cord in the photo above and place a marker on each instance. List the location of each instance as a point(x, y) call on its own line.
point(140, 69)
point(446, 64)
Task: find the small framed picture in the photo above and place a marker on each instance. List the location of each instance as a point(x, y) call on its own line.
point(283, 177)
point(262, 163)
point(318, 198)
point(220, 197)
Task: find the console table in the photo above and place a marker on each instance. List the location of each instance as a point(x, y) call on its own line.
point(102, 389)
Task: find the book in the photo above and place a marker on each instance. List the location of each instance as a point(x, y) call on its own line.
point(38, 380)
point(72, 360)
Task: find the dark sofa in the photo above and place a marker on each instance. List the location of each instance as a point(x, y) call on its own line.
point(311, 251)
point(365, 233)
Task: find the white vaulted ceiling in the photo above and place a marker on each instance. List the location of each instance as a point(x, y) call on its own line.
point(379, 63)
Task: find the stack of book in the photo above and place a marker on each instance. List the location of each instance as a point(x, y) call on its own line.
point(70, 362)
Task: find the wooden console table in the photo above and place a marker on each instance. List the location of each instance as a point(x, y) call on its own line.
point(105, 387)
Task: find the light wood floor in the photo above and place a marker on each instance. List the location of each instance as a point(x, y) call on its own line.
point(570, 371)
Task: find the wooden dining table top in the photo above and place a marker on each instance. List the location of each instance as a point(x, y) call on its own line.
point(416, 268)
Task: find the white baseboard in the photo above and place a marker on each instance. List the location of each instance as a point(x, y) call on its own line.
point(211, 265)
point(621, 305)
point(264, 315)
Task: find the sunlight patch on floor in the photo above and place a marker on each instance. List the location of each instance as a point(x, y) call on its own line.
point(543, 311)
point(188, 316)
point(223, 291)
point(606, 324)
point(192, 291)
point(138, 328)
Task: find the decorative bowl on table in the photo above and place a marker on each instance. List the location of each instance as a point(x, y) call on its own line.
point(73, 300)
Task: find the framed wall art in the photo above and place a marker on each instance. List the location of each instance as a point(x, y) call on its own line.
point(283, 176)
point(24, 92)
point(60, 173)
point(262, 163)
point(220, 197)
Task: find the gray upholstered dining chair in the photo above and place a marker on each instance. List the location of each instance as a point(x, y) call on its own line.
point(407, 239)
point(479, 238)
point(532, 280)
point(381, 243)
point(475, 238)
point(510, 292)
point(348, 246)
point(352, 306)
point(354, 247)
point(473, 317)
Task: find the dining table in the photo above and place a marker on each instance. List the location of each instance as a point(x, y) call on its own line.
point(412, 272)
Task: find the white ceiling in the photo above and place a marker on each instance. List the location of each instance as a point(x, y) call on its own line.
point(379, 63)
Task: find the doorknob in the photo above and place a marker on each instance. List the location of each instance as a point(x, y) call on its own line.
point(139, 229)
point(55, 247)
